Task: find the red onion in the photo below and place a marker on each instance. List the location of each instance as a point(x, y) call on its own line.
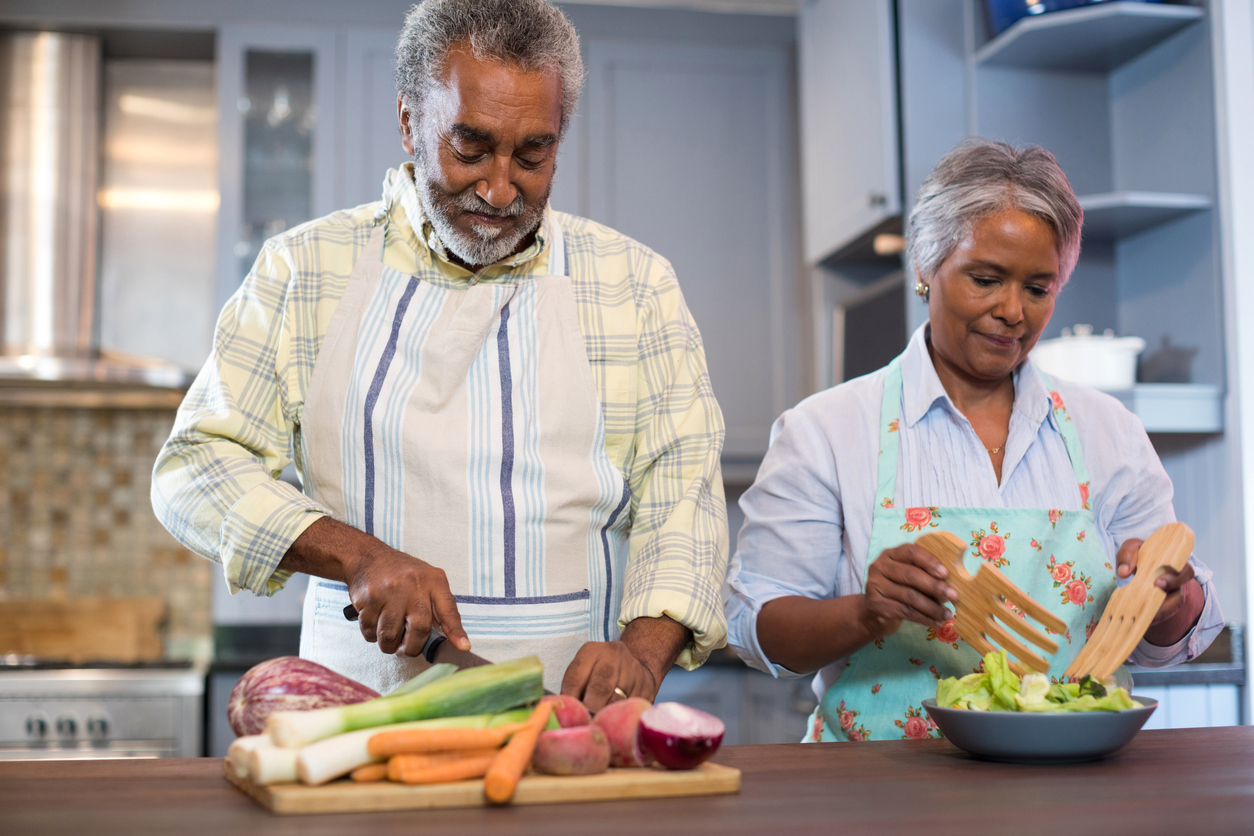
point(677, 737)
point(288, 683)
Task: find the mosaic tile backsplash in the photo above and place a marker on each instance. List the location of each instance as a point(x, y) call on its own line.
point(75, 518)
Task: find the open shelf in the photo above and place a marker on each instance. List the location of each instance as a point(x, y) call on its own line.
point(1093, 39)
point(1176, 407)
point(1122, 214)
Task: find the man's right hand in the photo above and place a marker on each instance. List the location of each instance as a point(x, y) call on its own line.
point(399, 598)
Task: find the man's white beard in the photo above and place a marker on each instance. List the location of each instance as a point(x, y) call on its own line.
point(488, 245)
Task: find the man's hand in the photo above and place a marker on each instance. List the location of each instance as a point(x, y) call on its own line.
point(399, 598)
point(906, 583)
point(636, 664)
point(1184, 601)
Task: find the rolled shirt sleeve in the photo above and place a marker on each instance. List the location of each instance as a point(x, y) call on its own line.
point(215, 484)
point(677, 558)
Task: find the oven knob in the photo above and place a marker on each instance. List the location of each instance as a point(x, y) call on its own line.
point(67, 726)
point(36, 727)
point(98, 727)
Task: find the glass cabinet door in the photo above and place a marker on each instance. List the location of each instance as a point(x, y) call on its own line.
point(277, 98)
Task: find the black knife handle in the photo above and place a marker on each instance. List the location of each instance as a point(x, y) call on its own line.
point(350, 612)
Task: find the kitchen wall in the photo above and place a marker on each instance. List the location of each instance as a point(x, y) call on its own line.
point(75, 519)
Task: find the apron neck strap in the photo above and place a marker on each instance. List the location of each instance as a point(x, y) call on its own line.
point(890, 420)
point(1066, 428)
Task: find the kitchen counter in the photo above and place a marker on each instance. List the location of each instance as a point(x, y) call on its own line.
point(1171, 781)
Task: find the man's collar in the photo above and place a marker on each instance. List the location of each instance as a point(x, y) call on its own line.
point(399, 188)
point(922, 389)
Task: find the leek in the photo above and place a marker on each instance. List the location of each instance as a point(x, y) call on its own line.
point(431, 674)
point(486, 689)
point(328, 759)
point(272, 765)
point(241, 748)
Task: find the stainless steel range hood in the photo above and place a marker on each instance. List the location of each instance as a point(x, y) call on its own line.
point(49, 153)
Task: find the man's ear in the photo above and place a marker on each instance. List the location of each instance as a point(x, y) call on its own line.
point(404, 118)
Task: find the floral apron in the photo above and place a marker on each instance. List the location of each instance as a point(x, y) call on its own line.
point(1054, 556)
point(461, 424)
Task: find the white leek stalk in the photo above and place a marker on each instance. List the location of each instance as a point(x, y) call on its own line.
point(272, 765)
point(241, 748)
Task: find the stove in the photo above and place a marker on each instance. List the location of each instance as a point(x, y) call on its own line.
point(57, 710)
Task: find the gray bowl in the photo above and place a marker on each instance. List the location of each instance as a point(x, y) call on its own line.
point(1024, 737)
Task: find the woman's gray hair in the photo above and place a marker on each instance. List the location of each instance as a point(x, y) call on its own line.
point(531, 34)
point(980, 177)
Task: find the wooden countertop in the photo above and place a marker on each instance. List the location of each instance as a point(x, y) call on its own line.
point(1171, 781)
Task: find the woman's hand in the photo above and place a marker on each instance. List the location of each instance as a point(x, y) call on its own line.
point(906, 583)
point(1182, 606)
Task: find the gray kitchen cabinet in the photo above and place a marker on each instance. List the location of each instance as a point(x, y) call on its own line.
point(369, 134)
point(848, 77)
point(277, 100)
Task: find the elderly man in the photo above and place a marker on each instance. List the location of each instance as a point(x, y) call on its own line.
point(500, 414)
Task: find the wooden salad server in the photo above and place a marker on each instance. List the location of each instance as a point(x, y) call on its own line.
point(1132, 607)
point(982, 597)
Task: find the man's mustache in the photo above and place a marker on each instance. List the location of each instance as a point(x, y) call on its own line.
point(468, 201)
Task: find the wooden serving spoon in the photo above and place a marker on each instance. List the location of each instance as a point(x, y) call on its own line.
point(982, 598)
point(1132, 607)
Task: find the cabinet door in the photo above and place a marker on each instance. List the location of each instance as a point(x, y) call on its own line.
point(849, 146)
point(371, 139)
point(690, 152)
point(276, 135)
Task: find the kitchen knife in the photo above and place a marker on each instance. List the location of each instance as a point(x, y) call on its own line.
point(445, 652)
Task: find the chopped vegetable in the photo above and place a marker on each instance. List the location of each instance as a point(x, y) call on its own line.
point(678, 737)
point(419, 741)
point(999, 689)
point(490, 688)
point(369, 773)
point(508, 767)
point(402, 770)
point(328, 759)
point(431, 674)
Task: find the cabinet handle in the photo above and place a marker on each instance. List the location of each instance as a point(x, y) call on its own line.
point(877, 199)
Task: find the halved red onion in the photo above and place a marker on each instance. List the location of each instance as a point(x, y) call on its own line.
point(677, 737)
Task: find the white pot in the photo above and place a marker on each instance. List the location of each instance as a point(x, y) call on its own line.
point(1104, 362)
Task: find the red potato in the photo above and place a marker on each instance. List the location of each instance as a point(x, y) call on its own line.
point(569, 711)
point(620, 721)
point(578, 750)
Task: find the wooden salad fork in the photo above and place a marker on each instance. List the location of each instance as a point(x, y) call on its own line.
point(982, 598)
point(1132, 607)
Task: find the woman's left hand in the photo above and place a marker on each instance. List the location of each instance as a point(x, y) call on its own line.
point(1171, 582)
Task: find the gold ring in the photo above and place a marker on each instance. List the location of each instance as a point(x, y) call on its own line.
point(621, 694)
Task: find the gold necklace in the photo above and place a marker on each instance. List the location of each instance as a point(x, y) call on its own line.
point(995, 450)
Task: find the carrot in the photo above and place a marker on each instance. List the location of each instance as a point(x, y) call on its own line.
point(461, 769)
point(417, 741)
point(370, 772)
point(507, 770)
point(397, 763)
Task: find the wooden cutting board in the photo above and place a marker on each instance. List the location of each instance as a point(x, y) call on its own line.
point(346, 796)
point(83, 629)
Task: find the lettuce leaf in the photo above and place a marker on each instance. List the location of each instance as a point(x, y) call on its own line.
point(999, 689)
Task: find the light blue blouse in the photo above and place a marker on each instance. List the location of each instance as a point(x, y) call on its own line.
point(808, 515)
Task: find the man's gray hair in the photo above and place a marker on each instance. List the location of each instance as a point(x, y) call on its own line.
point(980, 177)
point(531, 34)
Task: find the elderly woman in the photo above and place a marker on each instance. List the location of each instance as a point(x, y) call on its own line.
point(1055, 484)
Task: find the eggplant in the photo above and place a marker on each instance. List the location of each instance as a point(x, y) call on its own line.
point(288, 683)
